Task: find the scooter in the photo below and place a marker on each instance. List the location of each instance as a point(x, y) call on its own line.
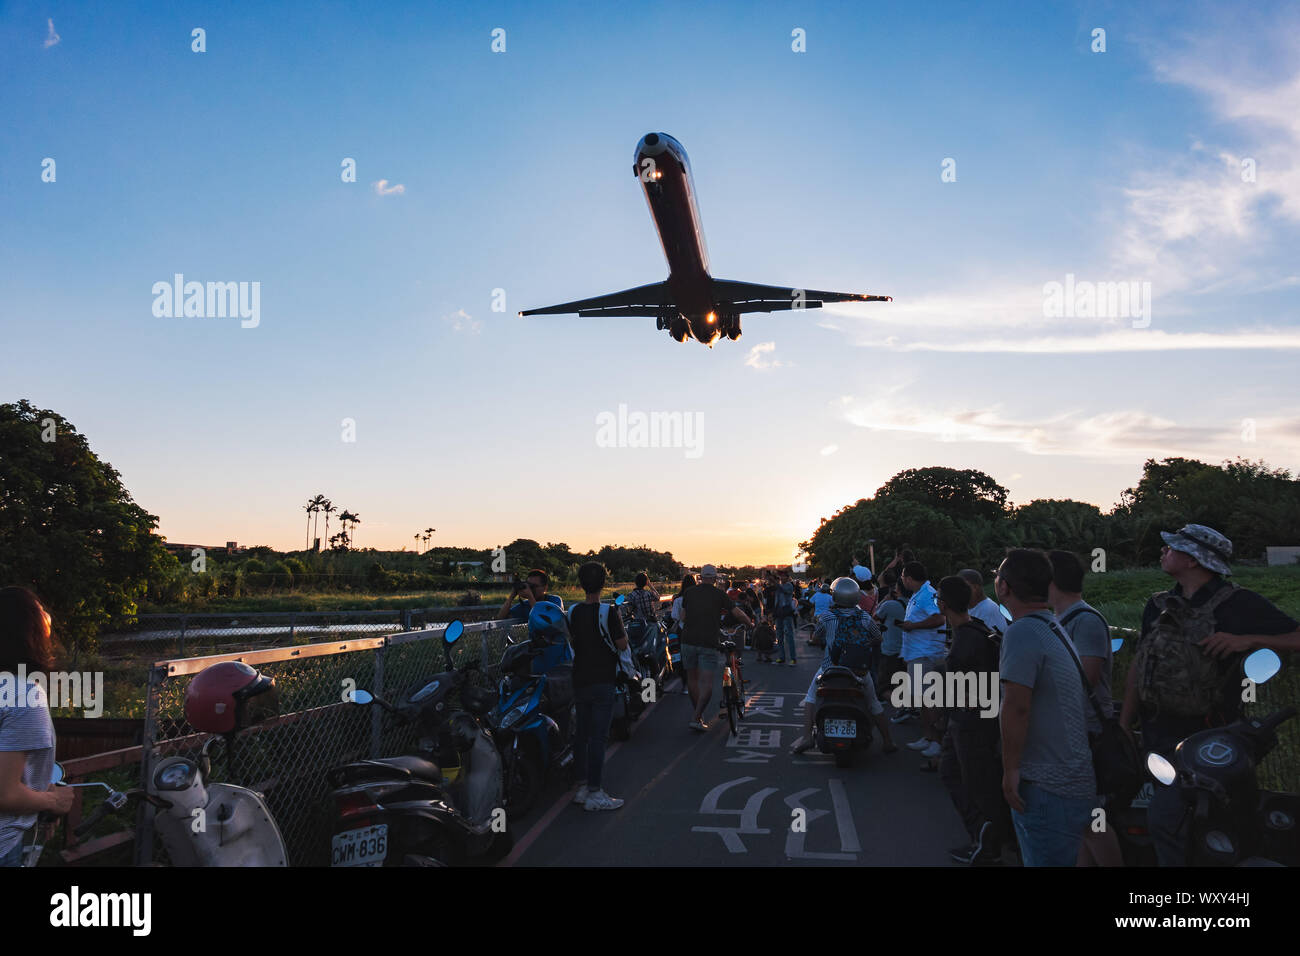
point(842, 718)
point(533, 719)
point(649, 645)
point(1228, 820)
point(201, 823)
point(439, 807)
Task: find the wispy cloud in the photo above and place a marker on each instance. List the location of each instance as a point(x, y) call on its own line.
point(462, 321)
point(51, 38)
point(758, 356)
point(383, 189)
point(1125, 434)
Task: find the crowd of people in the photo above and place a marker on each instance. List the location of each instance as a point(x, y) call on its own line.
point(1021, 775)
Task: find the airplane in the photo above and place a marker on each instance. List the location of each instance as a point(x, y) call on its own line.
point(690, 302)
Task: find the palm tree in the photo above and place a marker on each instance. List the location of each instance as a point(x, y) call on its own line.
point(356, 520)
point(316, 505)
point(310, 508)
point(327, 506)
point(417, 542)
point(344, 518)
point(428, 533)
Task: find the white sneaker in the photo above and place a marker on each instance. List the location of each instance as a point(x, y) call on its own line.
point(600, 800)
point(582, 794)
point(921, 744)
point(933, 750)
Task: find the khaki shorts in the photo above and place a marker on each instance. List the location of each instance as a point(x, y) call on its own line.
point(699, 658)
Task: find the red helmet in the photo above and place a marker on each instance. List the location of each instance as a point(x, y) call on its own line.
point(227, 697)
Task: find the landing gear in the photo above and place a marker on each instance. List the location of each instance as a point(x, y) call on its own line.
point(731, 326)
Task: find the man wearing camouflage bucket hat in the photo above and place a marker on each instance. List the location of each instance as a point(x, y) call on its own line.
point(1186, 671)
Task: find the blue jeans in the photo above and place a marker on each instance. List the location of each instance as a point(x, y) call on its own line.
point(595, 705)
point(785, 636)
point(13, 857)
point(1051, 828)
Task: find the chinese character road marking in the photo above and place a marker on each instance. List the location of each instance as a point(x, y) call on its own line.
point(748, 816)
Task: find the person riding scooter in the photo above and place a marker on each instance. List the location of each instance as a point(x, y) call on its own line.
point(844, 605)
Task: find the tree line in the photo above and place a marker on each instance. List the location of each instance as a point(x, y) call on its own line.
point(953, 518)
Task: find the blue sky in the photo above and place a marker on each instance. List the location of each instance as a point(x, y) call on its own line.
point(818, 169)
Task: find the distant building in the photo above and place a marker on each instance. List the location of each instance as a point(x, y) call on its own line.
point(187, 550)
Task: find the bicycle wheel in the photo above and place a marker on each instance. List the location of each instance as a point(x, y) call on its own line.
point(729, 700)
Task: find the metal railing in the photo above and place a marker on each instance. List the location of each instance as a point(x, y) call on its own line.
point(286, 758)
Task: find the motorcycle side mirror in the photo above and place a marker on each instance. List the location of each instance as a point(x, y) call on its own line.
point(57, 774)
point(1115, 644)
point(454, 630)
point(1262, 664)
point(359, 696)
point(1161, 769)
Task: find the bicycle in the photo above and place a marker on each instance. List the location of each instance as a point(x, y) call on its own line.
point(733, 679)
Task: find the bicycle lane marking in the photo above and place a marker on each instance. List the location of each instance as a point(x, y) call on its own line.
point(540, 827)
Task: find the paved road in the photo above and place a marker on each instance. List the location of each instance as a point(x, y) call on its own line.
point(713, 800)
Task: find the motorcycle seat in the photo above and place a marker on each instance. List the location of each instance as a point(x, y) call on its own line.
point(415, 766)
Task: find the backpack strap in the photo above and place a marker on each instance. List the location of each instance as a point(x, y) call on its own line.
point(1088, 690)
point(1065, 621)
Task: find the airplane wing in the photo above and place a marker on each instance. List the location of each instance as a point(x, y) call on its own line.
point(752, 297)
point(649, 300)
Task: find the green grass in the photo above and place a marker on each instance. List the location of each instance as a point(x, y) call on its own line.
point(308, 601)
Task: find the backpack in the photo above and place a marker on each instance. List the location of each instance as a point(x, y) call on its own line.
point(1175, 676)
point(764, 637)
point(854, 636)
point(602, 619)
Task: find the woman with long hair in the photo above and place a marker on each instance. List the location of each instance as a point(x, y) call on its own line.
point(26, 730)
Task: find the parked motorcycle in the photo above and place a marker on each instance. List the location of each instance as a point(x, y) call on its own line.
point(534, 714)
point(202, 823)
point(442, 806)
point(1228, 820)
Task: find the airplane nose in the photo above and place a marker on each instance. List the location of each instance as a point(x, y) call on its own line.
point(652, 144)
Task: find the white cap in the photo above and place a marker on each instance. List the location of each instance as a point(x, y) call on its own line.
point(708, 571)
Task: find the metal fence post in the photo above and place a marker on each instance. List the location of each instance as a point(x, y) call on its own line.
point(376, 712)
point(293, 632)
point(144, 814)
point(180, 650)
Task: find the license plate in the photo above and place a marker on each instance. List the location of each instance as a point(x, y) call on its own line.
point(840, 728)
point(365, 847)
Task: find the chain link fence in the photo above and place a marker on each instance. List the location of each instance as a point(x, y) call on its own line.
point(286, 759)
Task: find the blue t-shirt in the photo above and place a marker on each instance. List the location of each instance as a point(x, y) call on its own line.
point(928, 642)
point(521, 609)
point(821, 602)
